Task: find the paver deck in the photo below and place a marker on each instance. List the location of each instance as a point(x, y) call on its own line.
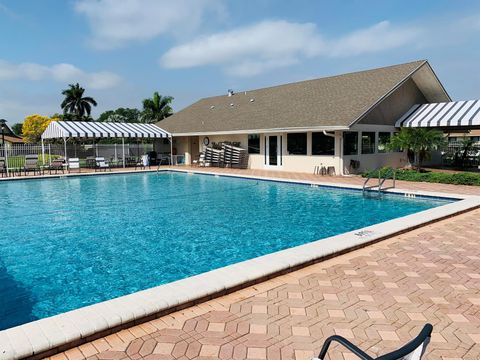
point(379, 297)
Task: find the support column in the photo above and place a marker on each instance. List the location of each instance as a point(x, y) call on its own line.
point(65, 147)
point(43, 153)
point(123, 151)
point(171, 150)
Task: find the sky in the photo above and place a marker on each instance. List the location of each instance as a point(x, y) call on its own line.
point(121, 51)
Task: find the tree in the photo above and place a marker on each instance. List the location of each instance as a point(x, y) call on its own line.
point(17, 129)
point(34, 126)
point(467, 146)
point(157, 108)
point(418, 143)
point(76, 106)
point(120, 115)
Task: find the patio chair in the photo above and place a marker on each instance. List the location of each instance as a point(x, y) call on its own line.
point(74, 164)
point(101, 164)
point(91, 163)
point(31, 165)
point(413, 350)
point(3, 167)
point(57, 165)
point(164, 160)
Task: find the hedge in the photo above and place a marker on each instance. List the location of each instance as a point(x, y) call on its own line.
point(461, 178)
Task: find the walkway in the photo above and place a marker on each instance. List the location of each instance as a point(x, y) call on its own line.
point(379, 297)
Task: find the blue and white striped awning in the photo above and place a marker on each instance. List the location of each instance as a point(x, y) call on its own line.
point(83, 129)
point(448, 114)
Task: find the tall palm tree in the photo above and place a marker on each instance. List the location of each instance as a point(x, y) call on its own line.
point(77, 106)
point(157, 108)
point(418, 143)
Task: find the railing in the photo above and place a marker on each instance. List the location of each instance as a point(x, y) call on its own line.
point(381, 179)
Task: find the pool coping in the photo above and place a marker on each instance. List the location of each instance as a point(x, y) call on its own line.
point(54, 334)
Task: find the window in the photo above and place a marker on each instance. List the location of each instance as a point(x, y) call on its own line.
point(383, 140)
point(368, 143)
point(322, 144)
point(350, 143)
point(254, 144)
point(297, 143)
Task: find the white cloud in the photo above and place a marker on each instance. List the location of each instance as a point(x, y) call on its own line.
point(272, 44)
point(58, 72)
point(379, 37)
point(249, 50)
point(114, 23)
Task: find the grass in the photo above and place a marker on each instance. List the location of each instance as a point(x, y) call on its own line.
point(19, 161)
point(460, 178)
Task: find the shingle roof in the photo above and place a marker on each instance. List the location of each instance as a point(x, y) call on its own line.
point(331, 101)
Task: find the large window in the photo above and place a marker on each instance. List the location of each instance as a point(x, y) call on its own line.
point(350, 143)
point(383, 140)
point(322, 144)
point(368, 142)
point(254, 144)
point(297, 143)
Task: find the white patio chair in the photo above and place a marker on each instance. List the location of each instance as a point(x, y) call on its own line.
point(74, 164)
point(101, 164)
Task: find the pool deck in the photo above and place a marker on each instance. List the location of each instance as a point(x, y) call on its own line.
point(379, 296)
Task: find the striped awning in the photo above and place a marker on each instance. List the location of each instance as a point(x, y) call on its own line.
point(82, 129)
point(448, 114)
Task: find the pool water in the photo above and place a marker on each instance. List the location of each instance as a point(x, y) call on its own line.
point(66, 243)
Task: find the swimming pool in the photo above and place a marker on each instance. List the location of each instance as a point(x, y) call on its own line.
point(66, 243)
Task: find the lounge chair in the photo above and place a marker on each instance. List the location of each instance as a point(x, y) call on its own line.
point(413, 350)
point(57, 165)
point(3, 167)
point(74, 164)
point(31, 165)
point(101, 164)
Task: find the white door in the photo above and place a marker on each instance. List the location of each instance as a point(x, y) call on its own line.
point(273, 150)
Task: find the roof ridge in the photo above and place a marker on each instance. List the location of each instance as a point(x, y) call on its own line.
point(420, 62)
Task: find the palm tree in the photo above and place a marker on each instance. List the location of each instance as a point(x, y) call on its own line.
point(157, 108)
point(75, 106)
point(418, 143)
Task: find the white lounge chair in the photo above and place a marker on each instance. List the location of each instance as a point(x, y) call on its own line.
point(101, 164)
point(74, 164)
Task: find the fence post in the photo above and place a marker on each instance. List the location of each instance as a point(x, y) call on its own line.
point(6, 156)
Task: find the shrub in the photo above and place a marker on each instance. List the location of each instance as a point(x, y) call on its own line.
point(462, 178)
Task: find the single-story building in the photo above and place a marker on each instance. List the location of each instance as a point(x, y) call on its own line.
point(9, 136)
point(340, 121)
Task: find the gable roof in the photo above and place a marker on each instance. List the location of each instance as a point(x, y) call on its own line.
point(334, 102)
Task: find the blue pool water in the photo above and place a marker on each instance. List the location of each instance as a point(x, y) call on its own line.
point(67, 243)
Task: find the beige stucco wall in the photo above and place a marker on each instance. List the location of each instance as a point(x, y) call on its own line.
point(307, 163)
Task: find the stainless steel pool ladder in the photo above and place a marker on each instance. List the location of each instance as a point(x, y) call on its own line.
point(381, 180)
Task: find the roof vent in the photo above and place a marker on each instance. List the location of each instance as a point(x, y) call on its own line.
point(230, 92)
point(252, 100)
point(231, 104)
point(212, 107)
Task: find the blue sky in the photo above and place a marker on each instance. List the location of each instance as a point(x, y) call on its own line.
point(123, 51)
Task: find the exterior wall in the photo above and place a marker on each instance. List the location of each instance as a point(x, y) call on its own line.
point(398, 103)
point(307, 163)
point(298, 163)
point(373, 161)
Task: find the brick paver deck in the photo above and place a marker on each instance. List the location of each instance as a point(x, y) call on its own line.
point(379, 297)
